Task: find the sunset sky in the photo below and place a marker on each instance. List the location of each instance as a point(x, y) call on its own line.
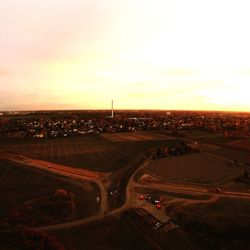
point(159, 54)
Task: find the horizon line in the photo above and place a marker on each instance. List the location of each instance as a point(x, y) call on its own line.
point(102, 109)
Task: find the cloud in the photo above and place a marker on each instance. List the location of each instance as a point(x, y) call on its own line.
point(180, 71)
point(245, 72)
point(148, 94)
point(4, 72)
point(40, 106)
point(225, 97)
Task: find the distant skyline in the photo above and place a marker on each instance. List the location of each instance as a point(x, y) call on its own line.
point(80, 54)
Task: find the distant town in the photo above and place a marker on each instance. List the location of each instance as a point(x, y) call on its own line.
point(75, 123)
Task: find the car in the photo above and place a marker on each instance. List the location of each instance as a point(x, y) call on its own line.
point(148, 198)
point(155, 201)
point(158, 225)
point(141, 197)
point(158, 206)
point(218, 190)
point(214, 190)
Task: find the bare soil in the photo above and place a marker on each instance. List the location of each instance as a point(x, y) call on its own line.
point(134, 136)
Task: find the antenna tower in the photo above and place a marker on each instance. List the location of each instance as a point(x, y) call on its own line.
point(112, 109)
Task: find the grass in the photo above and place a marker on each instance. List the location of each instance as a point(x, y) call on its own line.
point(197, 168)
point(19, 184)
point(221, 225)
point(110, 233)
point(241, 144)
point(212, 137)
point(116, 234)
point(233, 154)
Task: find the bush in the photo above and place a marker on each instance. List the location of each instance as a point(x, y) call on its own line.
point(45, 210)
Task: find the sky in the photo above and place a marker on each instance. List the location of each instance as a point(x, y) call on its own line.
point(159, 54)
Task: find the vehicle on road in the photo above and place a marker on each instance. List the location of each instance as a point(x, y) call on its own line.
point(148, 198)
point(141, 197)
point(158, 225)
point(215, 190)
point(158, 206)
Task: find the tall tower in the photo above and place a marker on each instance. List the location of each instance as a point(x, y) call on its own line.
point(112, 109)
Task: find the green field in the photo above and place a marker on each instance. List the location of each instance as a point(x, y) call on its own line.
point(90, 151)
point(197, 168)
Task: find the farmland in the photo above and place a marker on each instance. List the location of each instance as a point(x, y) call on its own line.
point(205, 136)
point(198, 168)
point(91, 151)
point(136, 136)
point(219, 139)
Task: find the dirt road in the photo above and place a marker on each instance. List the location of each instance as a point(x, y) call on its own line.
point(191, 189)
